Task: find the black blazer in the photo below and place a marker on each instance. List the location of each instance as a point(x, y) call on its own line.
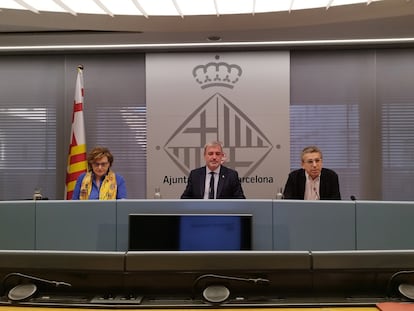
point(228, 187)
point(328, 187)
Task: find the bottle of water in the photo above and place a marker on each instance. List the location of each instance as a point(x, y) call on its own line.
point(37, 195)
point(157, 193)
point(279, 194)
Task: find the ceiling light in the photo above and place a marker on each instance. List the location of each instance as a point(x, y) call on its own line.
point(190, 45)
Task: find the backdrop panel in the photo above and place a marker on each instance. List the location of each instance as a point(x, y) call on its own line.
point(241, 99)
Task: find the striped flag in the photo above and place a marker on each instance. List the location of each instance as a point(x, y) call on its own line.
point(77, 162)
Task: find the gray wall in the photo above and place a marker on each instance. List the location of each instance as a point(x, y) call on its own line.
point(356, 104)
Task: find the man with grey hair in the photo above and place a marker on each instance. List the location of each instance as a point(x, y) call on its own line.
point(312, 181)
point(213, 181)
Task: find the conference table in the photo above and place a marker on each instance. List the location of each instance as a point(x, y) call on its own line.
point(7, 308)
point(344, 252)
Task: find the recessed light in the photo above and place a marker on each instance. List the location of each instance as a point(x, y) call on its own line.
point(214, 38)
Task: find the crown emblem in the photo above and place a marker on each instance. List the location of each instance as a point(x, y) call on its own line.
point(217, 74)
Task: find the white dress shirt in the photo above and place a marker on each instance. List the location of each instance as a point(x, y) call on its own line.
point(312, 188)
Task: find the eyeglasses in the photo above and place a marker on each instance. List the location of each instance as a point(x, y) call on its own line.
point(103, 164)
point(313, 160)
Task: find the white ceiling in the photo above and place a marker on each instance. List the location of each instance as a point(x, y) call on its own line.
point(383, 19)
point(171, 7)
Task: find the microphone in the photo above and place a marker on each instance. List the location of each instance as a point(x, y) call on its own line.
point(24, 291)
point(33, 278)
point(353, 198)
point(406, 289)
point(218, 293)
point(316, 192)
point(257, 281)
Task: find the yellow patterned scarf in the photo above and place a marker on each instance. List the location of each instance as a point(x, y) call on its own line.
point(108, 187)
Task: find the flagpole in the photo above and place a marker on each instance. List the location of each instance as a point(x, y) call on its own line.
point(77, 162)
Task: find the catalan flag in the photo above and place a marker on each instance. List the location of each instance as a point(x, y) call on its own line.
point(77, 162)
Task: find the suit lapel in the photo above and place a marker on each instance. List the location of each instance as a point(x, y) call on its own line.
point(202, 182)
point(302, 184)
point(222, 178)
point(322, 184)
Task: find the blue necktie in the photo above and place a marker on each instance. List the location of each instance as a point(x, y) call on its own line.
point(211, 189)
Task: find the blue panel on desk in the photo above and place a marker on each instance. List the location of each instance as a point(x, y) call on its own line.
point(17, 225)
point(76, 225)
point(260, 209)
point(384, 225)
point(313, 225)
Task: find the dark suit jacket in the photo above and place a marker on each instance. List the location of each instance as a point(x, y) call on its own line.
point(228, 187)
point(328, 187)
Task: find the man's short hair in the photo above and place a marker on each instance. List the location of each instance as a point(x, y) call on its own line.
point(310, 149)
point(213, 144)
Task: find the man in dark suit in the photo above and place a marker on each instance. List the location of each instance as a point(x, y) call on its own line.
point(213, 181)
point(312, 182)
